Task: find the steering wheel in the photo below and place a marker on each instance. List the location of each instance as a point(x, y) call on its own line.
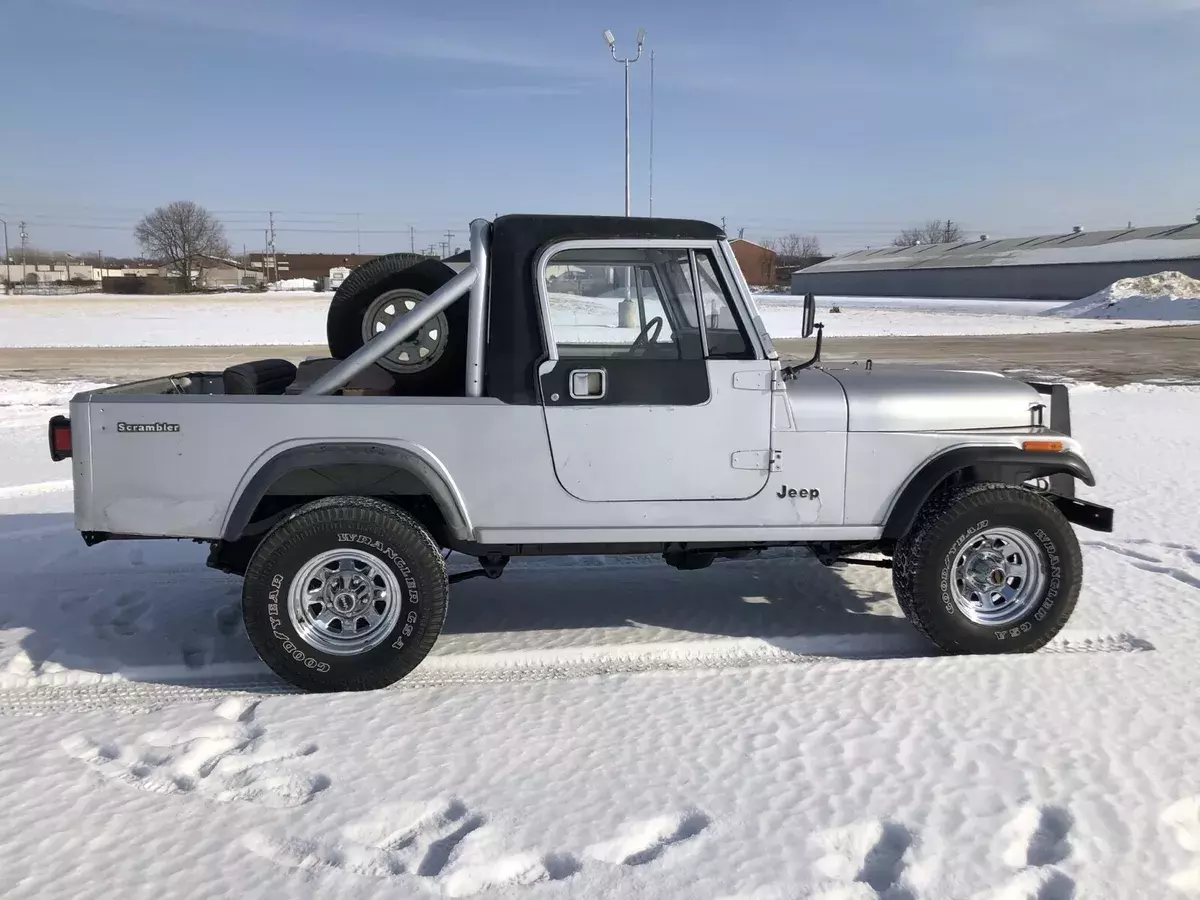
point(645, 338)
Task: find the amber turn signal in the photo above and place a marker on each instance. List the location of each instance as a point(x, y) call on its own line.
point(1043, 446)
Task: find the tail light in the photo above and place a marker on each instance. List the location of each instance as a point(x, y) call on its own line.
point(60, 438)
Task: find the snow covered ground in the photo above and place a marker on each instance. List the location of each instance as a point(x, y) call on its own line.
point(298, 318)
point(759, 730)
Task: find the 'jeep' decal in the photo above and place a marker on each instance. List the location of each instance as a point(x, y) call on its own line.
point(786, 492)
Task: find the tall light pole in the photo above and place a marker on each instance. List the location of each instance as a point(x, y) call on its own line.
point(612, 46)
point(627, 309)
point(652, 134)
point(24, 241)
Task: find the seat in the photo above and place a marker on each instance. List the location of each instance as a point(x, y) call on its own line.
point(261, 376)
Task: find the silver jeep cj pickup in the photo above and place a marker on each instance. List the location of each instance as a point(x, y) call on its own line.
point(577, 385)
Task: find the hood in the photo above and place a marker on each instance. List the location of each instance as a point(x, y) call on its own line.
point(909, 398)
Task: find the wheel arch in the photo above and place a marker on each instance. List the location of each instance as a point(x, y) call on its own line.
point(417, 466)
point(1008, 465)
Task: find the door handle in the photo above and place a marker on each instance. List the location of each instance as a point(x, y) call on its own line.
point(588, 384)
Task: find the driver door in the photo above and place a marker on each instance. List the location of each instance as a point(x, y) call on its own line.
point(637, 405)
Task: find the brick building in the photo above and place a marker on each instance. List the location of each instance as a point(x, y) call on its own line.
point(757, 262)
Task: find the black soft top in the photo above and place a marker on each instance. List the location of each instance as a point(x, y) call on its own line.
point(515, 342)
point(544, 229)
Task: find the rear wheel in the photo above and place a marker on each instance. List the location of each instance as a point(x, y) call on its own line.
point(432, 361)
point(989, 569)
point(348, 593)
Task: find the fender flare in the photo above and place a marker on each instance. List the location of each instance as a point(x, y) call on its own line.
point(411, 458)
point(1014, 464)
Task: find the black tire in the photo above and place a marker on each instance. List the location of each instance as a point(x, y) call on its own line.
point(343, 324)
point(924, 581)
point(391, 537)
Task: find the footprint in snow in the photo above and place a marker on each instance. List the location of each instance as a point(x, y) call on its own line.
point(863, 861)
point(121, 619)
point(1183, 819)
point(1034, 840)
point(641, 841)
point(441, 841)
point(228, 759)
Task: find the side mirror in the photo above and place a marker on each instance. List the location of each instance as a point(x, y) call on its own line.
point(810, 315)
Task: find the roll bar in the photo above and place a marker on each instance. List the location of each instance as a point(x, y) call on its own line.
point(473, 279)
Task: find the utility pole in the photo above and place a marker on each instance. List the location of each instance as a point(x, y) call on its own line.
point(271, 244)
point(652, 134)
point(412, 239)
point(7, 277)
point(449, 238)
point(722, 223)
point(358, 232)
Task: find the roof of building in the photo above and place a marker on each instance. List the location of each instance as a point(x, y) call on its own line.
point(1167, 242)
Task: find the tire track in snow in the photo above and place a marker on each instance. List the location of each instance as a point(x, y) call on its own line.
point(85, 691)
point(32, 490)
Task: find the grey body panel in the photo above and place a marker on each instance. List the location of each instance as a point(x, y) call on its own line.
point(632, 453)
point(908, 398)
point(186, 483)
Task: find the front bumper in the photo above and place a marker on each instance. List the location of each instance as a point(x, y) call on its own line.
point(1084, 514)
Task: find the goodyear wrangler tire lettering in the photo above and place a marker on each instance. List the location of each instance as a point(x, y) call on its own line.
point(925, 578)
point(299, 545)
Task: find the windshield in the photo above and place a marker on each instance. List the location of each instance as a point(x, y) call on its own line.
point(743, 287)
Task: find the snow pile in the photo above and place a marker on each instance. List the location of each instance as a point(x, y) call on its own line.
point(293, 284)
point(1164, 296)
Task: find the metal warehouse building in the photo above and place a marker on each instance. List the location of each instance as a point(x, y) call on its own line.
point(1052, 267)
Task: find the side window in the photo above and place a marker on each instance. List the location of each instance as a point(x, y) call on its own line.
point(622, 303)
point(726, 338)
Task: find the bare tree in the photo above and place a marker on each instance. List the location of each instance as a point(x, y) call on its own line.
point(795, 246)
point(940, 231)
point(182, 235)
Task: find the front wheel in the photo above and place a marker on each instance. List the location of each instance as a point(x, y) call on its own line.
point(989, 568)
point(346, 594)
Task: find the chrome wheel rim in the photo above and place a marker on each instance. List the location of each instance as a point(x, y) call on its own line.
point(998, 576)
point(344, 602)
point(422, 349)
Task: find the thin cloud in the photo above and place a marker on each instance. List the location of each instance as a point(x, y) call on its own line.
point(394, 36)
point(521, 90)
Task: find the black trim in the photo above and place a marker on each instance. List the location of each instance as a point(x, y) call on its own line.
point(57, 422)
point(632, 382)
point(1009, 465)
point(516, 344)
point(1087, 515)
point(1060, 421)
point(724, 549)
point(334, 454)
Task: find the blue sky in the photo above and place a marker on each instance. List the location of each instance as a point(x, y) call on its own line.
point(849, 120)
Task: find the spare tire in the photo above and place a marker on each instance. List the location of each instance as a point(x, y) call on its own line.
point(433, 361)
